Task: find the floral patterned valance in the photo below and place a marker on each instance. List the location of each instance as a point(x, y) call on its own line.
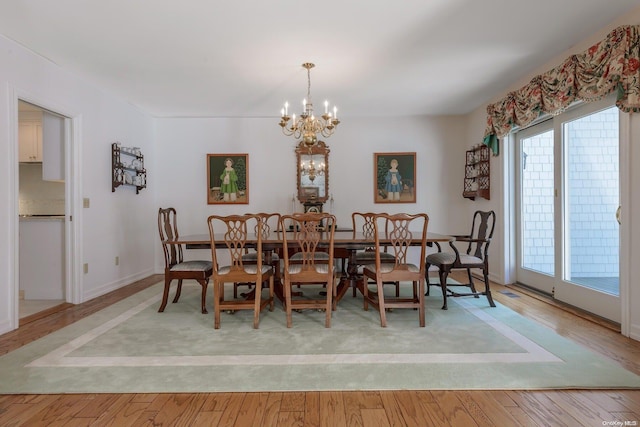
point(611, 64)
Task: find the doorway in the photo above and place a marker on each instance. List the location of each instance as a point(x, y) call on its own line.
point(42, 211)
point(567, 198)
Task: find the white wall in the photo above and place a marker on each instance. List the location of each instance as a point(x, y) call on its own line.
point(475, 130)
point(37, 196)
point(182, 146)
point(116, 224)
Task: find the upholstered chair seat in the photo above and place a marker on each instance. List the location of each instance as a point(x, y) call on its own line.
point(192, 266)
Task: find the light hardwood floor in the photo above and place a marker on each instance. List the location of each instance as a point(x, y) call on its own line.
point(378, 408)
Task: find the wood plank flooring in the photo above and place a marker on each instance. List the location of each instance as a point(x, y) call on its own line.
point(356, 408)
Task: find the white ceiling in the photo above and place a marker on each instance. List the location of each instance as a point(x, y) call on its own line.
point(242, 58)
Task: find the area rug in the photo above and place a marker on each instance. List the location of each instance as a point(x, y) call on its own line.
point(131, 348)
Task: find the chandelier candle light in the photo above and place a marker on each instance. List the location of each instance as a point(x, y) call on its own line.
point(307, 126)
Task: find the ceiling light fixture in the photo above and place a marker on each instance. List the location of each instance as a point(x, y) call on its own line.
point(307, 126)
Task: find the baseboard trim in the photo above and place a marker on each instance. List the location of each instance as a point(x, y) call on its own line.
point(110, 287)
point(542, 296)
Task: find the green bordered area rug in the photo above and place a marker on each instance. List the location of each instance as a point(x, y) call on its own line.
point(131, 348)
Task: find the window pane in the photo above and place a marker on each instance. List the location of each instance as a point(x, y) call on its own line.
point(593, 195)
point(536, 210)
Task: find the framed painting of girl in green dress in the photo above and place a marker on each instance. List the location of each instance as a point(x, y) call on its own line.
point(227, 179)
point(394, 177)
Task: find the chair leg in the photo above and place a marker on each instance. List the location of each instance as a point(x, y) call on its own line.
point(471, 284)
point(277, 272)
point(256, 305)
point(272, 304)
point(218, 292)
point(204, 283)
point(165, 294)
point(178, 291)
point(329, 305)
point(421, 296)
point(365, 292)
point(443, 273)
point(381, 307)
point(335, 294)
point(486, 288)
point(426, 276)
point(287, 299)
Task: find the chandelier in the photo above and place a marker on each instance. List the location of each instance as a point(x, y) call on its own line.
point(308, 126)
point(309, 169)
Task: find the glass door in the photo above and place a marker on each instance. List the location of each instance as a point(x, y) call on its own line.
point(568, 195)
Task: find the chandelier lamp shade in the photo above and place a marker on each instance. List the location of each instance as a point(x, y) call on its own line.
point(307, 126)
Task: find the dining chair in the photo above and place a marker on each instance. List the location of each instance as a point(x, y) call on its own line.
point(230, 234)
point(175, 268)
point(269, 222)
point(476, 256)
point(364, 222)
point(402, 232)
point(310, 262)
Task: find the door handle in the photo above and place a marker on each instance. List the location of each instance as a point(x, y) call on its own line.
point(618, 214)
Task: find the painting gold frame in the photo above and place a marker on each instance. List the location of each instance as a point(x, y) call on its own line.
point(227, 186)
point(394, 183)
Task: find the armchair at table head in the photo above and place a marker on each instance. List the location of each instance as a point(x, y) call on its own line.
point(309, 262)
point(175, 268)
point(231, 234)
point(476, 256)
point(402, 231)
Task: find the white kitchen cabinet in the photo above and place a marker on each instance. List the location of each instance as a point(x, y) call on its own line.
point(30, 138)
point(53, 131)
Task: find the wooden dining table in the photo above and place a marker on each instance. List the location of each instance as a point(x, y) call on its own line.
point(346, 243)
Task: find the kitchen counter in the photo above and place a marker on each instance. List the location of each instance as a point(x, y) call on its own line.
point(41, 217)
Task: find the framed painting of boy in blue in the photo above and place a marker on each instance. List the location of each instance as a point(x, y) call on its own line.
point(394, 177)
point(227, 179)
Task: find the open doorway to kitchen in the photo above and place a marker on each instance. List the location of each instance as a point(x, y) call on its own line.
point(42, 212)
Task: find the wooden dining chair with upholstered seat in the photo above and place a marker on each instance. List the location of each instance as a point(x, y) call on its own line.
point(476, 256)
point(364, 223)
point(231, 233)
point(403, 232)
point(269, 222)
point(175, 268)
point(309, 262)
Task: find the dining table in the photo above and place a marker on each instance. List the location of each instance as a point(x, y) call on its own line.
point(346, 243)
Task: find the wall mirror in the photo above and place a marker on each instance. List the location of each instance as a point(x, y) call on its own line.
point(313, 172)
